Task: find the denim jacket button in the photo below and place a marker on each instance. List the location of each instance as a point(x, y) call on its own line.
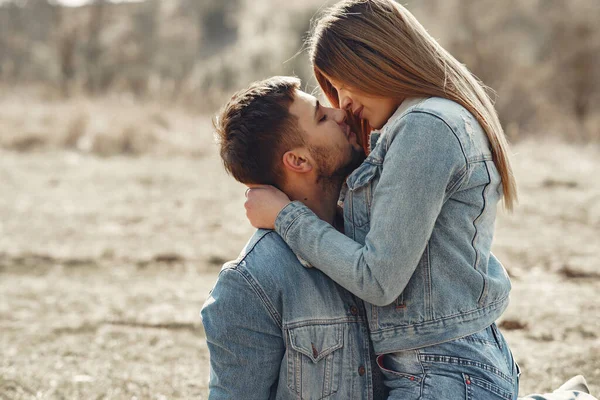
point(361, 370)
point(354, 310)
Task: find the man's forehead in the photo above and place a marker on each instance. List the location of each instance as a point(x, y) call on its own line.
point(303, 105)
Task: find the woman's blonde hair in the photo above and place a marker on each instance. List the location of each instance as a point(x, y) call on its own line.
point(379, 48)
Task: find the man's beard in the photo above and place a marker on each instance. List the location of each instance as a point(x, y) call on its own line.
point(331, 178)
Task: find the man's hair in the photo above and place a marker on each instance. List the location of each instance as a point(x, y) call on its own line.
point(255, 128)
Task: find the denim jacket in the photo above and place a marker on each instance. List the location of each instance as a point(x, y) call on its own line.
point(419, 218)
point(277, 330)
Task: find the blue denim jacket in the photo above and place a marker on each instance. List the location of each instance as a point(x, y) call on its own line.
point(277, 330)
point(419, 219)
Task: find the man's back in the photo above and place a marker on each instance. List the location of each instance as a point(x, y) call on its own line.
point(276, 329)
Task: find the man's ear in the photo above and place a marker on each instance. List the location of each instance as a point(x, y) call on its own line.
point(297, 161)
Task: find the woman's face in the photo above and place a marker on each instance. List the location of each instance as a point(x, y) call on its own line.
point(376, 110)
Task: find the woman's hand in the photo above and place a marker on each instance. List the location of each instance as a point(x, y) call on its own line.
point(263, 204)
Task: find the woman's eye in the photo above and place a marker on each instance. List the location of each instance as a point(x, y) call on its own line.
point(323, 118)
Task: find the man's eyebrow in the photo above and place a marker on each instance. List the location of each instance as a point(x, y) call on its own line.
point(317, 105)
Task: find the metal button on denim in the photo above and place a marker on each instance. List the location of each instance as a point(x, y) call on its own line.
point(354, 310)
point(361, 370)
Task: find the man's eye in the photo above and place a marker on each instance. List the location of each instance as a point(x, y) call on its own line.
point(323, 118)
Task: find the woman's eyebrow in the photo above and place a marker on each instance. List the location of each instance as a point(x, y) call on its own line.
point(317, 105)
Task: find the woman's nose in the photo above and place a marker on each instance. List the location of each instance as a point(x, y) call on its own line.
point(345, 102)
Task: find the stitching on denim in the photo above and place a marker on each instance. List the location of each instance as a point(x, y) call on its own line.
point(262, 295)
point(405, 375)
point(322, 321)
point(477, 254)
point(458, 178)
point(289, 226)
point(329, 377)
point(395, 124)
point(480, 158)
point(353, 180)
point(483, 342)
point(385, 133)
point(465, 361)
point(475, 235)
point(458, 181)
point(422, 388)
point(491, 306)
point(484, 384)
point(251, 248)
point(368, 354)
point(324, 352)
point(255, 286)
point(428, 286)
point(462, 149)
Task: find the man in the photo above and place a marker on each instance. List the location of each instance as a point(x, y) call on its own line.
point(274, 328)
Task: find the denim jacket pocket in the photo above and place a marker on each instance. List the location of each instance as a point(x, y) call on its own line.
point(360, 192)
point(314, 362)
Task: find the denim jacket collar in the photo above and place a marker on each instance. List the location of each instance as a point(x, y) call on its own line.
point(401, 110)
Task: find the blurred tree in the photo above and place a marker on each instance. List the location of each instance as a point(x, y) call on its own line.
point(93, 49)
point(24, 47)
point(66, 42)
point(216, 24)
point(573, 47)
point(540, 56)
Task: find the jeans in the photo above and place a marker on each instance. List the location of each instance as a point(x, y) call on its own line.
point(479, 367)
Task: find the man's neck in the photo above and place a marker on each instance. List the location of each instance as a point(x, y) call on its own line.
point(321, 198)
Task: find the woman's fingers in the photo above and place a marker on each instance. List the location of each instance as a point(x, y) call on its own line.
point(263, 203)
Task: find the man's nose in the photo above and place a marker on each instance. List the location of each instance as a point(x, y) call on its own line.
point(339, 115)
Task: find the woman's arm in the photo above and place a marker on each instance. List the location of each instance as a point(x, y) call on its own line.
point(423, 165)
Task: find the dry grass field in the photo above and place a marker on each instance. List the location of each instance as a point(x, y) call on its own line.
point(107, 256)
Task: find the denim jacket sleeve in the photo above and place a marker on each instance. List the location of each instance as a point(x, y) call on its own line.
point(245, 349)
point(423, 165)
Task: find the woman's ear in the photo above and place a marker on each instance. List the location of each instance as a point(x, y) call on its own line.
point(297, 161)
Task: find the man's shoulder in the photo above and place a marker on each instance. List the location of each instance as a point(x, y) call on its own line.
point(265, 254)
point(264, 241)
point(266, 267)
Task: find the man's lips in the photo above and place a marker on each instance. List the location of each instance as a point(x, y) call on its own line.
point(348, 132)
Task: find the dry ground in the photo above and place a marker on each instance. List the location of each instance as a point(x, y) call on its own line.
point(105, 263)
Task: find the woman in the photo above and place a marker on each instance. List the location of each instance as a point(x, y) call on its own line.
point(419, 212)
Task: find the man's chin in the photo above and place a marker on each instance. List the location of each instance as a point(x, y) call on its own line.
point(357, 156)
point(356, 159)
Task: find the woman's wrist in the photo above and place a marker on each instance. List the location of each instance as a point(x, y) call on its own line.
point(288, 215)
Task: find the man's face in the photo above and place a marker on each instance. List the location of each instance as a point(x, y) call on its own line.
point(331, 143)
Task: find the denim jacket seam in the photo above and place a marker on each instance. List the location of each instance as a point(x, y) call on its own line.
point(428, 288)
point(457, 181)
point(447, 317)
point(324, 321)
point(458, 176)
point(292, 222)
point(481, 158)
point(479, 364)
point(248, 251)
point(477, 256)
point(261, 295)
point(255, 286)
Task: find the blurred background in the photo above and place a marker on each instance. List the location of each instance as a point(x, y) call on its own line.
point(116, 215)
